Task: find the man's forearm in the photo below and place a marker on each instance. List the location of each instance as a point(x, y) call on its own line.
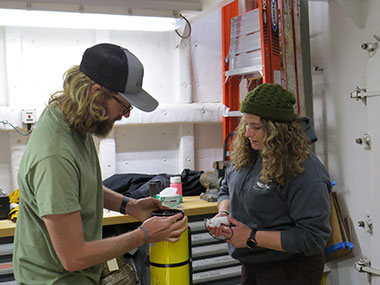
point(112, 199)
point(75, 253)
point(95, 252)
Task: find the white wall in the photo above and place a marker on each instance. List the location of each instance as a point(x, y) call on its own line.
point(336, 48)
point(185, 76)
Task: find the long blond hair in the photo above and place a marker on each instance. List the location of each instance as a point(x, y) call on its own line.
point(83, 112)
point(285, 148)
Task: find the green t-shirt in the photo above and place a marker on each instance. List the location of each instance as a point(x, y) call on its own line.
point(59, 173)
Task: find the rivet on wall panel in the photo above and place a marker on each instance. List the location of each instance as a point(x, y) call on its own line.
point(188, 159)
point(196, 44)
point(202, 157)
point(108, 164)
point(203, 111)
point(165, 113)
point(165, 159)
point(126, 162)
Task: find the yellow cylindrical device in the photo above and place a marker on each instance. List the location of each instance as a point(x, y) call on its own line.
point(170, 261)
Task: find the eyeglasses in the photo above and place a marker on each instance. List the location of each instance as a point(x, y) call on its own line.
point(126, 109)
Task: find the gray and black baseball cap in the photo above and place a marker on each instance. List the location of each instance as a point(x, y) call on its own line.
point(119, 70)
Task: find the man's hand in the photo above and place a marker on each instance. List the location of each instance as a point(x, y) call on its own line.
point(165, 228)
point(141, 209)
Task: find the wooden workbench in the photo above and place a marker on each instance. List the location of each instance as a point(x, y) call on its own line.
point(192, 206)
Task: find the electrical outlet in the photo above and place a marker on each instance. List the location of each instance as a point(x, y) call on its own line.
point(28, 116)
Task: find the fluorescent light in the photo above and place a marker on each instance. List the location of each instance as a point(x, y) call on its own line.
point(50, 19)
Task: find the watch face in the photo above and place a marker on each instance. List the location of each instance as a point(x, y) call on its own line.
point(251, 243)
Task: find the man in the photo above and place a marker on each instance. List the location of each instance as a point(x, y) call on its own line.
point(58, 237)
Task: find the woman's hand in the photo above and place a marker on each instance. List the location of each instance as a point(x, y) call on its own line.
point(238, 234)
point(217, 231)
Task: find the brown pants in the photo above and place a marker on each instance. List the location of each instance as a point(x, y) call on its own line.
point(305, 271)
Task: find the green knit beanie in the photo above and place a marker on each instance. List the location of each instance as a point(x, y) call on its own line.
point(271, 102)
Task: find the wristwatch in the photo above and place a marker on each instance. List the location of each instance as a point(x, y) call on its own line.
point(251, 242)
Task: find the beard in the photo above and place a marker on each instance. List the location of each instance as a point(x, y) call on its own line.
point(103, 129)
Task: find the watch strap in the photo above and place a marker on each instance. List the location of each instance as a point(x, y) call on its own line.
point(124, 205)
point(253, 234)
point(251, 242)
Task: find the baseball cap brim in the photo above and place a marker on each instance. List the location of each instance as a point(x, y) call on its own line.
point(141, 100)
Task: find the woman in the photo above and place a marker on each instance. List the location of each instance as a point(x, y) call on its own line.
point(275, 193)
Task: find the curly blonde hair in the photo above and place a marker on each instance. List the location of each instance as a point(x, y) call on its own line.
point(285, 149)
point(82, 111)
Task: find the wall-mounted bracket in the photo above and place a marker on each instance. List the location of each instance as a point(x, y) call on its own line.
point(364, 265)
point(362, 94)
point(371, 47)
point(366, 224)
point(228, 113)
point(365, 141)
